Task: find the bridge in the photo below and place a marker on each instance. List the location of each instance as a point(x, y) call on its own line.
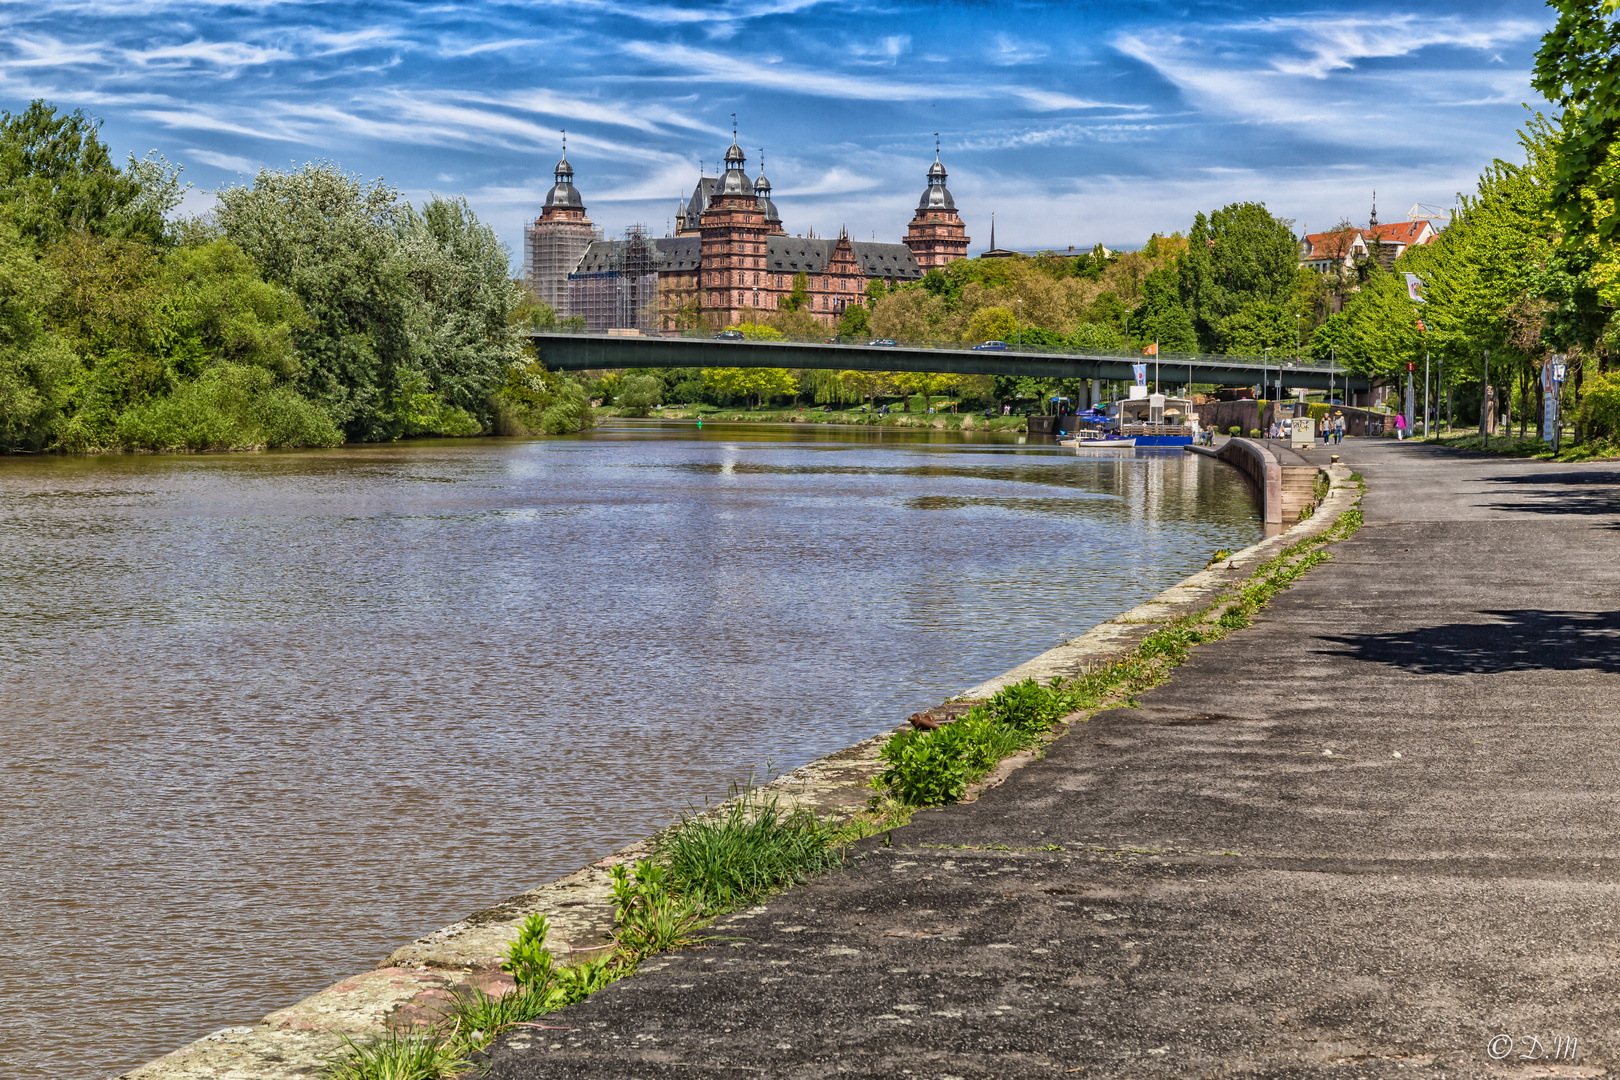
point(579, 352)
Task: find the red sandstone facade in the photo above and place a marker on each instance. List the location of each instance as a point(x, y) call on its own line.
point(747, 262)
point(936, 235)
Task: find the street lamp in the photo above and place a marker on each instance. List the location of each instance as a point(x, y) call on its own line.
point(1265, 364)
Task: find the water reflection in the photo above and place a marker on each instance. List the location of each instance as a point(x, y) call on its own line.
point(268, 716)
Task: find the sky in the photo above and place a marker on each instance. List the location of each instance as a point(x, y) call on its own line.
point(1073, 123)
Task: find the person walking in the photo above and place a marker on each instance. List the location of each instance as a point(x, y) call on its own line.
point(1338, 428)
point(1400, 427)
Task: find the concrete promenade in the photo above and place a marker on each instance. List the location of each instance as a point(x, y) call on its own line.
point(1361, 838)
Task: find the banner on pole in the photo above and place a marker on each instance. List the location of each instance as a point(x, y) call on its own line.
point(1414, 288)
point(1141, 374)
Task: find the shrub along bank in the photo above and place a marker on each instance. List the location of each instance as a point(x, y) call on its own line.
point(308, 309)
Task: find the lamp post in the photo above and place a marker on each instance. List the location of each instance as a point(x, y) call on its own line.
point(1484, 399)
point(1265, 364)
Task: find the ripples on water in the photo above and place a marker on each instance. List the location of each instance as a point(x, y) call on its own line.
point(268, 717)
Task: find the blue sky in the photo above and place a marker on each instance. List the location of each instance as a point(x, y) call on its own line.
point(1076, 123)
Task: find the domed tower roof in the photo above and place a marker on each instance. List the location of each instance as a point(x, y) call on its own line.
point(762, 189)
point(562, 192)
point(736, 181)
point(938, 196)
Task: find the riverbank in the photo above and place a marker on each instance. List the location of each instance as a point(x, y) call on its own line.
point(417, 978)
point(1370, 835)
point(940, 420)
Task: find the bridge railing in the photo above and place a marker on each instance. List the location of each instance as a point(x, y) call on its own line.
point(1165, 360)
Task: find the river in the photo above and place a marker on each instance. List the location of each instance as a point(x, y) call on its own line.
point(268, 716)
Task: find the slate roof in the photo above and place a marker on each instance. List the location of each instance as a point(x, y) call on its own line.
point(699, 201)
point(802, 254)
point(670, 253)
point(885, 260)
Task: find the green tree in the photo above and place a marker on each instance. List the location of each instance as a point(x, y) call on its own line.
point(1237, 256)
point(536, 400)
point(35, 368)
point(991, 324)
point(798, 296)
point(856, 323)
point(1161, 317)
point(331, 239)
point(1578, 69)
point(640, 394)
point(57, 177)
point(1256, 326)
point(758, 383)
point(1097, 337)
point(463, 299)
point(1377, 333)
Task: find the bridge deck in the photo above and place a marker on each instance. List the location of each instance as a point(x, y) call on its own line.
point(579, 352)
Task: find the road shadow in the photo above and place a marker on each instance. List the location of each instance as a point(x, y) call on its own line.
point(1516, 641)
point(1588, 493)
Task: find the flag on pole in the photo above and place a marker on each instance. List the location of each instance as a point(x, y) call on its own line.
point(1151, 350)
point(1141, 374)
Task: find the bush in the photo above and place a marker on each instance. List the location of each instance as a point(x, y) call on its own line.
point(1599, 413)
point(536, 400)
point(931, 768)
point(229, 407)
point(1235, 430)
point(640, 394)
point(1254, 433)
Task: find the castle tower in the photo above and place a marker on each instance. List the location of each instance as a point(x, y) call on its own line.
point(733, 253)
point(762, 190)
point(936, 235)
point(553, 243)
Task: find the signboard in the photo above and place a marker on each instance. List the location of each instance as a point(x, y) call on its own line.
point(1414, 288)
point(1141, 374)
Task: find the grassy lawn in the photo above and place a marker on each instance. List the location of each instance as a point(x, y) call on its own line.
point(1529, 447)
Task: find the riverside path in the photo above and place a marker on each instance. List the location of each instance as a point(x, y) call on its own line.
point(1373, 835)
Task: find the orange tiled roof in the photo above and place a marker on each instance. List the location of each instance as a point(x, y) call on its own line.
point(1393, 232)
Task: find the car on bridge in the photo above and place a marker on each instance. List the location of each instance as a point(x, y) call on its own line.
point(882, 341)
point(729, 335)
point(999, 345)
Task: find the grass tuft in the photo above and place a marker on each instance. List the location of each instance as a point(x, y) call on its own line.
point(399, 1055)
point(751, 848)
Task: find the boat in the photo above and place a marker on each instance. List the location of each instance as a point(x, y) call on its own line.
point(1153, 419)
point(1098, 442)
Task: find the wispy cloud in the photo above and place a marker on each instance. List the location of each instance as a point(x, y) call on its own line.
point(228, 162)
point(1076, 123)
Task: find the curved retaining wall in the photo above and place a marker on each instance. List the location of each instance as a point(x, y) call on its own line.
point(1285, 490)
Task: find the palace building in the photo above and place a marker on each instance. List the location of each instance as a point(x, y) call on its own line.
point(731, 260)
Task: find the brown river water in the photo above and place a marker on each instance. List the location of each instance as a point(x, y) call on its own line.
point(268, 716)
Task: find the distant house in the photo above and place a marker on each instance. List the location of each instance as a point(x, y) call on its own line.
point(1344, 248)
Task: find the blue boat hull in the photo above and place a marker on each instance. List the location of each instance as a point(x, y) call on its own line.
point(1164, 440)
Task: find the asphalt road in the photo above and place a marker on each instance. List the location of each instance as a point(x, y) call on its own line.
point(1364, 838)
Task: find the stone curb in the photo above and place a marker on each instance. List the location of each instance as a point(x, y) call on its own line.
point(296, 1042)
